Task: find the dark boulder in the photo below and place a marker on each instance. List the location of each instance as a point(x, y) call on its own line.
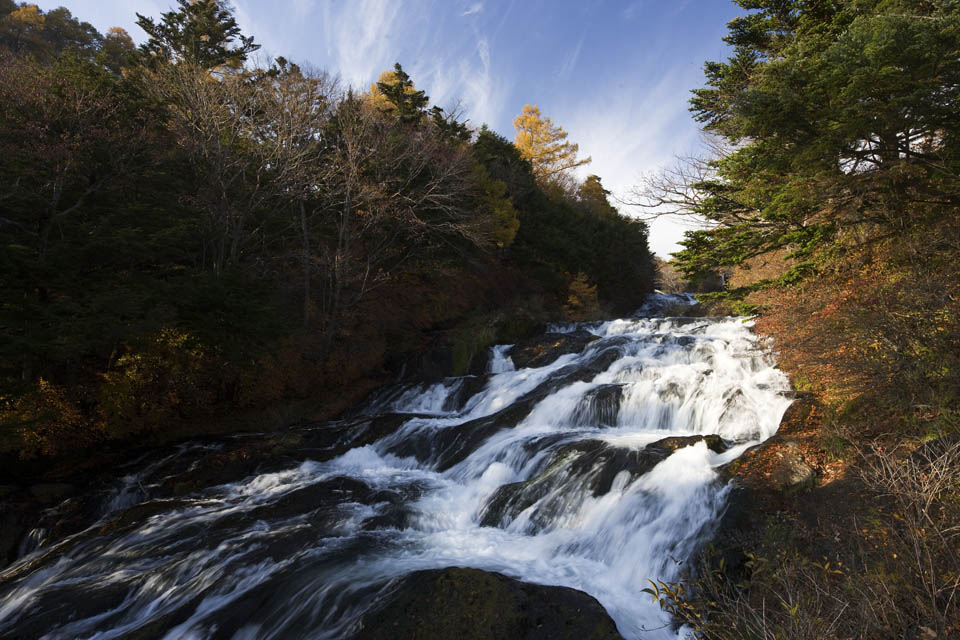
point(469, 604)
point(599, 407)
point(544, 349)
point(714, 442)
point(468, 387)
point(445, 448)
point(52, 493)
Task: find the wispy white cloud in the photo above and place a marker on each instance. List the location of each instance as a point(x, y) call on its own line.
point(263, 35)
point(483, 94)
point(570, 60)
point(629, 136)
point(360, 38)
point(364, 37)
point(483, 50)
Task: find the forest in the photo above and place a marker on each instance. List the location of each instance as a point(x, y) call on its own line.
point(831, 192)
point(190, 231)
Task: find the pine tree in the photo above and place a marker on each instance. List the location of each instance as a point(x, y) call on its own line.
point(201, 32)
point(399, 95)
point(835, 116)
point(594, 196)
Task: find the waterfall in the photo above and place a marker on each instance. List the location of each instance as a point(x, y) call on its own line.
point(559, 475)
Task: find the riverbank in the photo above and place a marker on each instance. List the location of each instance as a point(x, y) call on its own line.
point(846, 523)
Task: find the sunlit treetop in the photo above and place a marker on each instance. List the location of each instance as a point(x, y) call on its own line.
point(201, 32)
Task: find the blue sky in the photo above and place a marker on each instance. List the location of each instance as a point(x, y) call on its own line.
point(615, 74)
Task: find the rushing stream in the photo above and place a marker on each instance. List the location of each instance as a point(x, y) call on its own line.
point(557, 475)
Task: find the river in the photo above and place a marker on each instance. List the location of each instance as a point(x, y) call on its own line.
point(557, 474)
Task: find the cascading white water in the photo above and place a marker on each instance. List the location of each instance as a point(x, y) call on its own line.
point(500, 362)
point(551, 475)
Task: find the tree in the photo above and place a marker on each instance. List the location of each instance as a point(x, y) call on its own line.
point(203, 33)
point(582, 303)
point(392, 199)
point(594, 197)
point(449, 127)
point(395, 92)
point(117, 51)
point(494, 202)
point(63, 31)
point(67, 138)
point(668, 279)
point(544, 144)
point(251, 139)
point(834, 117)
point(26, 29)
point(296, 108)
point(22, 28)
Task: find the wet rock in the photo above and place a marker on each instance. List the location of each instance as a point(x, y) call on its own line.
point(714, 442)
point(393, 517)
point(218, 468)
point(659, 304)
point(324, 441)
point(13, 527)
point(469, 386)
point(543, 350)
point(445, 448)
point(373, 430)
point(138, 514)
point(432, 364)
point(594, 364)
point(52, 493)
point(599, 407)
point(469, 604)
point(734, 406)
point(588, 465)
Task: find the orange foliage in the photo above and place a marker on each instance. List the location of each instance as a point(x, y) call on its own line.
point(48, 422)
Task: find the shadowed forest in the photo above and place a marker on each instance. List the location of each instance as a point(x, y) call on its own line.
point(188, 231)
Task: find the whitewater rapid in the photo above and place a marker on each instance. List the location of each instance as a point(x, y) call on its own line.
point(550, 474)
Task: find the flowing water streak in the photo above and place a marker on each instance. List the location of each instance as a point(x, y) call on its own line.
point(550, 475)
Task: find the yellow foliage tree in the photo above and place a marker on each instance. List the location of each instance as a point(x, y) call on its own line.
point(168, 378)
point(545, 145)
point(375, 96)
point(582, 303)
point(20, 25)
point(47, 421)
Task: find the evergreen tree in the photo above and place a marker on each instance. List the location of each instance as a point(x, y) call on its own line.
point(449, 127)
point(594, 197)
point(202, 33)
point(401, 96)
point(836, 115)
